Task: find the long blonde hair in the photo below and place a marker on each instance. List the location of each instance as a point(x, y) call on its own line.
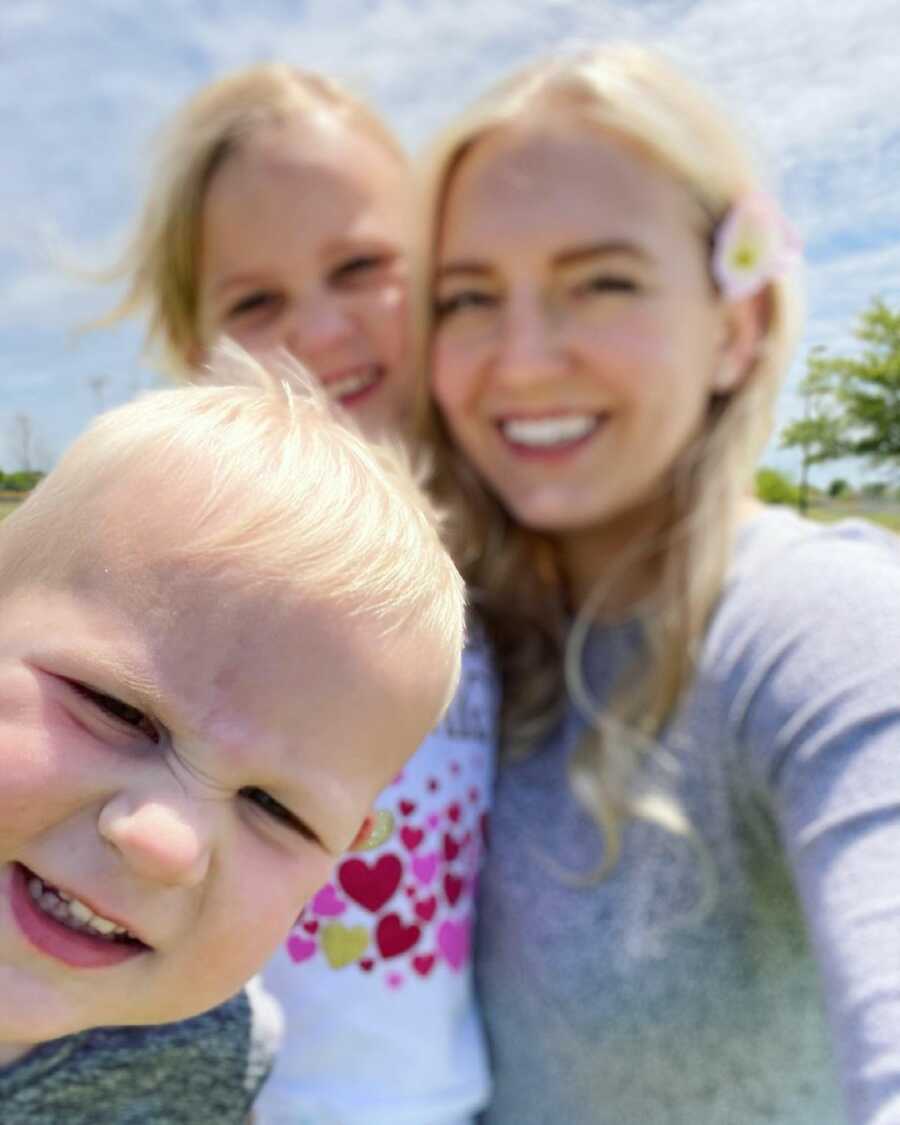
point(634, 94)
point(161, 263)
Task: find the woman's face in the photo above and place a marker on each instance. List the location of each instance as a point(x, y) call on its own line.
point(304, 248)
point(577, 338)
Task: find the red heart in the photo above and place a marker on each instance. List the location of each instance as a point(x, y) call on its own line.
point(393, 938)
point(367, 964)
point(407, 807)
point(454, 812)
point(452, 888)
point(425, 909)
point(410, 892)
point(424, 964)
point(371, 885)
point(411, 837)
point(433, 785)
point(451, 848)
point(311, 927)
point(473, 795)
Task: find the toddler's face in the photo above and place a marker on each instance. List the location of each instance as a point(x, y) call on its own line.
point(182, 763)
point(304, 247)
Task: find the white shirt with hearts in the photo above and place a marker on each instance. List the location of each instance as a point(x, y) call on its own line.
point(375, 979)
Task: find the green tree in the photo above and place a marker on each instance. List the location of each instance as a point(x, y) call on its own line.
point(852, 403)
point(820, 433)
point(773, 487)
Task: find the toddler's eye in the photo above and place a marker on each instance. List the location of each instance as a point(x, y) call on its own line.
point(116, 709)
point(277, 811)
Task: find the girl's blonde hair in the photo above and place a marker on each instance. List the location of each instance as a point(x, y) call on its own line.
point(633, 94)
point(257, 478)
point(161, 263)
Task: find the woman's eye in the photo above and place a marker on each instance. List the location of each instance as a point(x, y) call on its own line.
point(606, 283)
point(357, 268)
point(116, 709)
point(253, 302)
point(266, 803)
point(458, 302)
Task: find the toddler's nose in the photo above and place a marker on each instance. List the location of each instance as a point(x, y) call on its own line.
point(162, 840)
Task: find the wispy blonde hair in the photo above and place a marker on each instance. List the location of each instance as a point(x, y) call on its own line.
point(162, 260)
point(259, 478)
point(634, 94)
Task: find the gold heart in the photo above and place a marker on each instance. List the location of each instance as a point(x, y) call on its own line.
point(382, 827)
point(343, 944)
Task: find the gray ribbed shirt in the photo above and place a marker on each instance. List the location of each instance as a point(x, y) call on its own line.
point(625, 1002)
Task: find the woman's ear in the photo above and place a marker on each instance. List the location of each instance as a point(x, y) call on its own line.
point(746, 322)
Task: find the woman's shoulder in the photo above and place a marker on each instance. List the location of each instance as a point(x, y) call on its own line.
point(806, 599)
point(804, 648)
point(787, 565)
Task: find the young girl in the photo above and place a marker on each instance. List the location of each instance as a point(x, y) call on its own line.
point(693, 876)
point(279, 218)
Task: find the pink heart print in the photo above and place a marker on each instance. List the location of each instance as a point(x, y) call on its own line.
point(299, 949)
point(453, 942)
point(425, 867)
point(327, 904)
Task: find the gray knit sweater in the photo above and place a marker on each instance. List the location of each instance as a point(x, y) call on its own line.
point(202, 1071)
point(629, 1002)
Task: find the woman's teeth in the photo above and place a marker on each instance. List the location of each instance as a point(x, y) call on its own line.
point(73, 913)
point(353, 383)
point(546, 432)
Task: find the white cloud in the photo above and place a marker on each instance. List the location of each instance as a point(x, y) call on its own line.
point(84, 86)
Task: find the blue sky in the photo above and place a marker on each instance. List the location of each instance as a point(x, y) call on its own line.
point(84, 86)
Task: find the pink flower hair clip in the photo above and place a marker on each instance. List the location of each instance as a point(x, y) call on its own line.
point(753, 244)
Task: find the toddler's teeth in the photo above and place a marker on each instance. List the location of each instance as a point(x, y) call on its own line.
point(103, 925)
point(80, 911)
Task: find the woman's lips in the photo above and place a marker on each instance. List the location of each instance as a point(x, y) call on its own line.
point(548, 436)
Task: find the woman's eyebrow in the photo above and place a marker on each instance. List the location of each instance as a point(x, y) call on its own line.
point(577, 255)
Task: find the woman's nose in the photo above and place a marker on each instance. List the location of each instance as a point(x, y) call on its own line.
point(528, 348)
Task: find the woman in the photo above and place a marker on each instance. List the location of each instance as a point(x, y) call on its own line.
point(695, 824)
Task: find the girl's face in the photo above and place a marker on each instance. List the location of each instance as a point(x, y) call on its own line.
point(304, 248)
point(578, 338)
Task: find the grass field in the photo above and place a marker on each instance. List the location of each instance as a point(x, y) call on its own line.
point(889, 518)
